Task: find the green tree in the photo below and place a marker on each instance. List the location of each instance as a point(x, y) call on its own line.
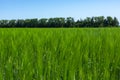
point(28, 23)
point(20, 23)
point(12, 23)
point(4, 23)
point(34, 22)
point(88, 22)
point(43, 22)
point(109, 21)
point(115, 22)
point(51, 22)
point(62, 22)
point(70, 22)
point(101, 21)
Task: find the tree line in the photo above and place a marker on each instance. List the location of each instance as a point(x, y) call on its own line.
point(60, 22)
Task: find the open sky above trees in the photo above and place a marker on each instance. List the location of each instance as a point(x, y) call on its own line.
point(22, 9)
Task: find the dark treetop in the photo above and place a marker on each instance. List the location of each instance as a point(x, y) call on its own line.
point(60, 22)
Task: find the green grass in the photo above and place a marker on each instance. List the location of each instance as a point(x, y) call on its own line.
point(60, 54)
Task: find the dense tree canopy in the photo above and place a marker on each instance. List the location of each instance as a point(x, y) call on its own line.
point(58, 22)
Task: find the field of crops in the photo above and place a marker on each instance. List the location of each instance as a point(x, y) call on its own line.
point(60, 54)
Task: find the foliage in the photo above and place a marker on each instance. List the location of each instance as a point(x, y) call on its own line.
point(68, 22)
point(60, 54)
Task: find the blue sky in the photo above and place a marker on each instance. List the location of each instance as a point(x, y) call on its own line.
point(22, 9)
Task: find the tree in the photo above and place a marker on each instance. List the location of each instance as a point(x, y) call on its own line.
point(43, 22)
point(109, 21)
point(4, 23)
point(51, 22)
point(12, 23)
point(101, 21)
point(20, 23)
point(58, 22)
point(34, 22)
point(105, 23)
point(92, 22)
point(115, 22)
point(70, 22)
point(88, 22)
point(28, 23)
point(62, 22)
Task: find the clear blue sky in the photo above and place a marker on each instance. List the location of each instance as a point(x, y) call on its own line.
point(22, 9)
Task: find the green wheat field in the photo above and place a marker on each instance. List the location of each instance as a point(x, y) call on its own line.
point(60, 54)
